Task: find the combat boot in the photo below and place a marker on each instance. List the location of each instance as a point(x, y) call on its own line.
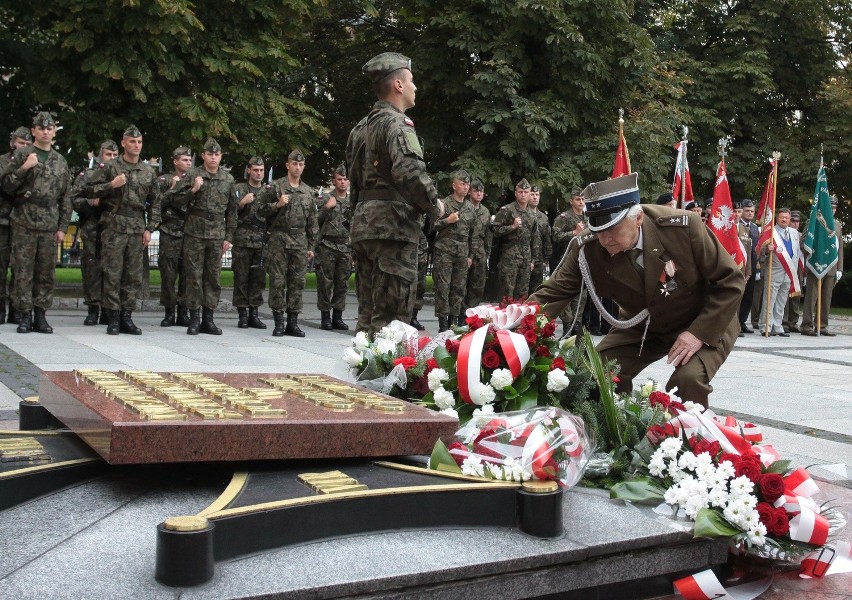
point(415, 323)
point(169, 319)
point(337, 320)
point(242, 319)
point(126, 324)
point(194, 322)
point(14, 315)
point(113, 325)
point(40, 323)
point(254, 321)
point(207, 324)
point(182, 318)
point(293, 325)
point(442, 323)
point(279, 323)
point(325, 320)
point(104, 318)
point(2, 312)
point(92, 318)
point(25, 321)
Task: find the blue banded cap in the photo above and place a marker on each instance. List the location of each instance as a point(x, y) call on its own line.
point(608, 201)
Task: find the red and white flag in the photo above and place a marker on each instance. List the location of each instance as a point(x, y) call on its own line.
point(682, 180)
point(622, 157)
point(723, 219)
point(766, 210)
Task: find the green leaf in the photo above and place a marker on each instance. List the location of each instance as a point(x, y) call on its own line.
point(709, 523)
point(638, 491)
point(442, 460)
point(779, 466)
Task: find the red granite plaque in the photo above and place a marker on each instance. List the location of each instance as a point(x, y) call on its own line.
point(137, 417)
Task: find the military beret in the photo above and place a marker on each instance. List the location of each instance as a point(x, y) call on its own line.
point(462, 176)
point(691, 205)
point(665, 198)
point(43, 119)
point(181, 151)
point(382, 65)
point(534, 188)
point(132, 131)
point(296, 155)
point(795, 215)
point(212, 145)
point(748, 203)
point(608, 201)
point(22, 133)
point(737, 203)
point(340, 170)
point(255, 161)
point(833, 200)
point(523, 184)
point(109, 145)
point(476, 184)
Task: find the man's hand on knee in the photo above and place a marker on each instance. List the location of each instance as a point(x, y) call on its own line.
point(685, 346)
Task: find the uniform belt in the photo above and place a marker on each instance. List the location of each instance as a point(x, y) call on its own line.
point(383, 194)
point(124, 211)
point(204, 214)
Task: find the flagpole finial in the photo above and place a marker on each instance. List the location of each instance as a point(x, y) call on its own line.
point(685, 132)
point(621, 116)
point(723, 146)
point(776, 156)
point(821, 163)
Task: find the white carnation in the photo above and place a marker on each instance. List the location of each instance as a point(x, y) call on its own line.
point(496, 471)
point(435, 377)
point(557, 380)
point(443, 399)
point(726, 470)
point(695, 503)
point(361, 340)
point(501, 378)
point(352, 357)
point(687, 461)
point(486, 395)
point(484, 410)
point(671, 446)
point(657, 465)
point(450, 412)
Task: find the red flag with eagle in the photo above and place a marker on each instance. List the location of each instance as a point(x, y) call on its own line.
point(682, 180)
point(723, 219)
point(766, 210)
point(622, 157)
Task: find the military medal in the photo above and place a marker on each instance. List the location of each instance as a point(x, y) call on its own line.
point(668, 283)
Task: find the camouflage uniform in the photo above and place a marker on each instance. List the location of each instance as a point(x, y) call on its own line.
point(519, 245)
point(247, 253)
point(87, 227)
point(454, 244)
point(170, 257)
point(544, 250)
point(562, 235)
point(6, 206)
point(478, 271)
point(422, 267)
point(334, 254)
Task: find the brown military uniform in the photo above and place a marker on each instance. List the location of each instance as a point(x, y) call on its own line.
point(703, 297)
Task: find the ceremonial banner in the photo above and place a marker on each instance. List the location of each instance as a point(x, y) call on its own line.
point(766, 210)
point(622, 157)
point(682, 180)
point(723, 221)
point(821, 242)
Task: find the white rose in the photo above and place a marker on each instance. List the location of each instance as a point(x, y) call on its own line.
point(360, 340)
point(486, 395)
point(648, 387)
point(443, 399)
point(435, 377)
point(501, 379)
point(557, 380)
point(352, 357)
point(385, 345)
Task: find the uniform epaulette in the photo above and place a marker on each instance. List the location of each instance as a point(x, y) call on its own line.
point(678, 221)
point(587, 237)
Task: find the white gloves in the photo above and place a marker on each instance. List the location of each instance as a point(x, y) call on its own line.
point(839, 276)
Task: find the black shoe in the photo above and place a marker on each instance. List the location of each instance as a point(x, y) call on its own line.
point(242, 319)
point(278, 331)
point(194, 322)
point(169, 320)
point(325, 320)
point(253, 320)
point(126, 324)
point(182, 317)
point(783, 334)
point(40, 323)
point(337, 321)
point(827, 333)
point(25, 321)
point(293, 325)
point(740, 334)
point(808, 332)
point(92, 318)
point(415, 323)
point(745, 329)
point(207, 324)
point(113, 325)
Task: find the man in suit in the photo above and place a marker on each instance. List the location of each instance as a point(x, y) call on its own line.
point(783, 281)
point(746, 215)
point(677, 287)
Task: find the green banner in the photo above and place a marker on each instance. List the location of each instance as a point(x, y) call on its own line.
point(821, 243)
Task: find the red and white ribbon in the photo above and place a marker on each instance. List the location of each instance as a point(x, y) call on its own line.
point(799, 483)
point(749, 431)
point(810, 527)
point(831, 559)
point(794, 504)
point(503, 318)
point(707, 426)
point(767, 452)
point(468, 368)
point(705, 585)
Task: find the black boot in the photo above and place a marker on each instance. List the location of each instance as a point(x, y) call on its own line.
point(40, 324)
point(2, 312)
point(113, 325)
point(182, 318)
point(242, 319)
point(442, 323)
point(193, 322)
point(25, 321)
point(254, 321)
point(279, 323)
point(126, 324)
point(13, 315)
point(92, 318)
point(169, 319)
point(325, 320)
point(207, 324)
point(337, 321)
point(104, 318)
point(415, 323)
point(293, 325)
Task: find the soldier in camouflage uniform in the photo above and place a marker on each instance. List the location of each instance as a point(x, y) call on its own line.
point(19, 138)
point(390, 191)
point(290, 208)
point(208, 196)
point(545, 249)
point(422, 267)
point(334, 253)
point(478, 271)
point(453, 252)
point(37, 179)
point(130, 211)
point(516, 226)
point(567, 226)
point(89, 210)
point(170, 257)
point(249, 242)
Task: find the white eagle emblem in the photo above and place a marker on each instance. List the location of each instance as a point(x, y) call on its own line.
point(724, 219)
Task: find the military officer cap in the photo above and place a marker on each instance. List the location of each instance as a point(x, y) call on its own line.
point(21, 133)
point(340, 170)
point(296, 155)
point(795, 215)
point(181, 151)
point(132, 131)
point(382, 65)
point(691, 205)
point(608, 201)
point(476, 184)
point(255, 161)
point(462, 176)
point(109, 145)
point(664, 198)
point(523, 184)
point(212, 146)
point(833, 200)
point(534, 188)
point(43, 119)
point(748, 203)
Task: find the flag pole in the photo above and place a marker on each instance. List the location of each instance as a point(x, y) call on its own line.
point(819, 281)
point(768, 293)
point(680, 201)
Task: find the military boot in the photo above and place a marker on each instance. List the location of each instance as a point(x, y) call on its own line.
point(40, 323)
point(194, 322)
point(182, 318)
point(325, 320)
point(126, 324)
point(104, 318)
point(207, 324)
point(242, 319)
point(279, 323)
point(169, 318)
point(254, 321)
point(14, 315)
point(92, 318)
point(337, 321)
point(442, 323)
point(293, 325)
point(25, 321)
point(113, 325)
point(415, 323)
point(2, 312)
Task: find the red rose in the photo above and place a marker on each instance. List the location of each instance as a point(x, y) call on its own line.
point(421, 385)
point(474, 322)
point(406, 361)
point(529, 322)
point(490, 359)
point(657, 433)
point(531, 337)
point(431, 363)
point(659, 399)
point(698, 444)
point(542, 351)
point(779, 523)
point(748, 469)
point(771, 486)
point(452, 346)
point(734, 459)
point(766, 512)
point(548, 329)
point(558, 363)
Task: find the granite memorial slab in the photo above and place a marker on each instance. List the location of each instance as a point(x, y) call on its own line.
point(139, 417)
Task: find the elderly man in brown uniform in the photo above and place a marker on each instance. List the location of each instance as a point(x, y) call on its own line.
point(678, 288)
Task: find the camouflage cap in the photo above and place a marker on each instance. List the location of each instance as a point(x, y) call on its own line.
point(833, 200)
point(748, 203)
point(576, 191)
point(534, 189)
point(476, 184)
point(523, 184)
point(212, 145)
point(462, 175)
point(109, 145)
point(382, 65)
point(255, 161)
point(340, 170)
point(132, 131)
point(181, 151)
point(608, 201)
point(43, 119)
point(21, 133)
point(296, 155)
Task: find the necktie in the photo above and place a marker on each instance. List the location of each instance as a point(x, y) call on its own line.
point(634, 254)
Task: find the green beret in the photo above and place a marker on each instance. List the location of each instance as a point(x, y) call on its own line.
point(212, 145)
point(296, 155)
point(109, 145)
point(523, 184)
point(181, 151)
point(476, 184)
point(462, 176)
point(255, 161)
point(382, 65)
point(43, 119)
point(132, 131)
point(341, 170)
point(22, 133)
